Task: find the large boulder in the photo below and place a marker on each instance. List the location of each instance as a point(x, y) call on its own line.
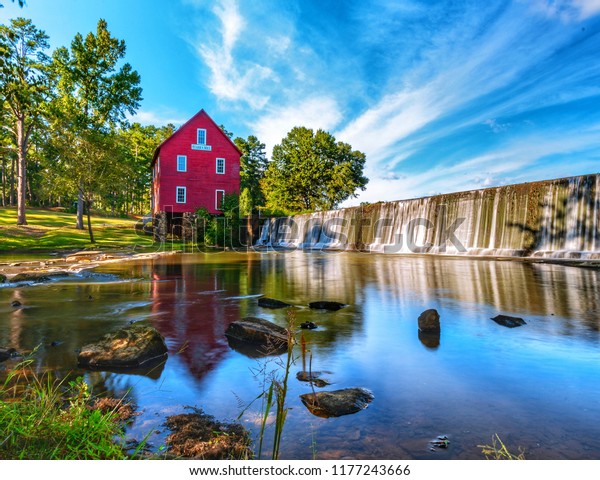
point(326, 305)
point(337, 402)
point(429, 321)
point(131, 347)
point(267, 302)
point(258, 332)
point(508, 321)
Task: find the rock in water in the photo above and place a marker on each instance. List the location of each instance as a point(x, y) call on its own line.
point(508, 321)
point(337, 402)
point(313, 377)
point(130, 347)
point(2, 278)
point(258, 331)
point(308, 325)
point(6, 353)
point(323, 305)
point(266, 302)
point(429, 321)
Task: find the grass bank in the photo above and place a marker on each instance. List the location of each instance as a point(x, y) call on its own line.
point(50, 230)
point(46, 418)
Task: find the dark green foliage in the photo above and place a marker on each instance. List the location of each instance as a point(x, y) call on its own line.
point(220, 230)
point(311, 171)
point(253, 165)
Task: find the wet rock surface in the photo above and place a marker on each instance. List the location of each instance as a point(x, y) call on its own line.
point(37, 277)
point(199, 436)
point(337, 402)
point(429, 321)
point(326, 305)
point(258, 332)
point(130, 347)
point(508, 321)
point(266, 302)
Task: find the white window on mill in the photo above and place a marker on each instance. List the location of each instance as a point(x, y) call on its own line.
point(180, 195)
point(181, 163)
point(201, 136)
point(219, 197)
point(220, 165)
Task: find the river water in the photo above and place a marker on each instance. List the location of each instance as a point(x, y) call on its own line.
point(536, 386)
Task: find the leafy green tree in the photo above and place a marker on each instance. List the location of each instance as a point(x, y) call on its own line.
point(94, 97)
point(139, 143)
point(253, 164)
point(24, 88)
point(311, 171)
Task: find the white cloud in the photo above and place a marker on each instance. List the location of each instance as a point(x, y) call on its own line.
point(232, 80)
point(317, 112)
point(567, 10)
point(157, 118)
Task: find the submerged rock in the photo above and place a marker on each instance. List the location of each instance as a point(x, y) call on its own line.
point(259, 333)
point(6, 353)
point(324, 305)
point(508, 321)
point(130, 347)
point(266, 302)
point(429, 321)
point(337, 402)
point(2, 278)
point(313, 377)
point(429, 339)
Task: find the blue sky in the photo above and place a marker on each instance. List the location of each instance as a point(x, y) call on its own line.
point(441, 96)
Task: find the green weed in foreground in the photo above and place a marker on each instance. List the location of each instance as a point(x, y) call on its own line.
point(498, 451)
point(45, 419)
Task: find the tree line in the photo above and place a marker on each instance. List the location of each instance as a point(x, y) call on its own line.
point(65, 139)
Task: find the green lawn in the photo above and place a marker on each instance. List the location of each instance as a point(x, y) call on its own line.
point(53, 230)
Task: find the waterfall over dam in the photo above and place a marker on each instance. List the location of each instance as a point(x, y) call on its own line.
point(552, 218)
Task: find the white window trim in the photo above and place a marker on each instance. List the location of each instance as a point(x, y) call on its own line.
point(184, 163)
point(198, 130)
point(217, 166)
point(177, 194)
point(217, 206)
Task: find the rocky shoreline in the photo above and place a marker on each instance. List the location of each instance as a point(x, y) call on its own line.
point(67, 264)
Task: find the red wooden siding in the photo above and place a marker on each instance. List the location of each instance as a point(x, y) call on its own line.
point(201, 179)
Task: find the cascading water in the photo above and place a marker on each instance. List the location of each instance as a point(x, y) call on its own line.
point(554, 218)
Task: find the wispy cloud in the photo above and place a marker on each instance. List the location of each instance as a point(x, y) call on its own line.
point(231, 79)
point(162, 117)
point(315, 113)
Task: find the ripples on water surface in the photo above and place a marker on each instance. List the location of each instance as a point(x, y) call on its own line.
point(536, 386)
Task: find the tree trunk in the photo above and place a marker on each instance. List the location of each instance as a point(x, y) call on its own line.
point(11, 199)
point(89, 220)
point(79, 224)
point(21, 171)
point(4, 183)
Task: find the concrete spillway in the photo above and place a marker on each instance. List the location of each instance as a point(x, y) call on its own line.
point(553, 218)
